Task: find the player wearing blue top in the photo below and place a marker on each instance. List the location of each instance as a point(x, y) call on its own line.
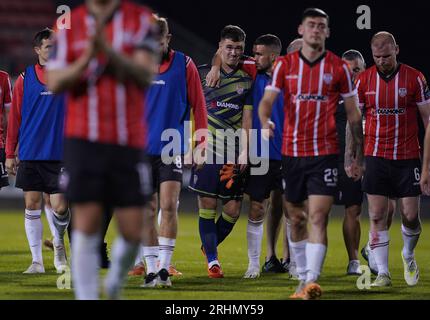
point(262, 187)
point(36, 123)
point(174, 95)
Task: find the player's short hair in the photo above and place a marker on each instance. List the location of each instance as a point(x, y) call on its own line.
point(233, 33)
point(162, 24)
point(352, 55)
point(314, 12)
point(42, 35)
point(271, 41)
point(383, 34)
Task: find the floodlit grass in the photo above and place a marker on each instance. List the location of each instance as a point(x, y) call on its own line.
point(194, 284)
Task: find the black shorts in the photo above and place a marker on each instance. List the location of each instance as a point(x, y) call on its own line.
point(42, 176)
point(305, 176)
point(206, 183)
point(348, 191)
point(116, 176)
point(4, 180)
point(392, 178)
point(162, 172)
point(259, 187)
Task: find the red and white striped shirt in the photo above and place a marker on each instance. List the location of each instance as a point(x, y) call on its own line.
point(100, 108)
point(311, 94)
point(5, 102)
point(391, 129)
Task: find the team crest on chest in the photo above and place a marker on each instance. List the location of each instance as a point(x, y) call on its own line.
point(239, 89)
point(403, 92)
point(327, 78)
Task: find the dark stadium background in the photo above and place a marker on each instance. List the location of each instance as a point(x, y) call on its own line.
point(196, 25)
point(407, 20)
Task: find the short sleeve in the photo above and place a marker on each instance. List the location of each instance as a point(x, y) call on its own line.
point(278, 78)
point(422, 92)
point(346, 84)
point(248, 65)
point(360, 83)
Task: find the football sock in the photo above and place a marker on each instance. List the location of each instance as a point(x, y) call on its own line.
point(85, 265)
point(49, 218)
point(315, 254)
point(140, 255)
point(379, 241)
point(123, 255)
point(151, 258)
point(60, 222)
point(298, 251)
point(166, 251)
point(254, 235)
point(33, 229)
point(410, 240)
point(208, 233)
point(224, 226)
point(288, 226)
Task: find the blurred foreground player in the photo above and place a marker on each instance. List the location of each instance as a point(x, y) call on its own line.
point(105, 131)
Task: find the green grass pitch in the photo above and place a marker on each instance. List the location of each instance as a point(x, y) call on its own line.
point(194, 284)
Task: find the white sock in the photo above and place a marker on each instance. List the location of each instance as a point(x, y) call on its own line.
point(159, 217)
point(288, 226)
point(298, 251)
point(315, 255)
point(50, 219)
point(123, 255)
point(60, 223)
point(379, 241)
point(151, 259)
point(85, 265)
point(410, 240)
point(254, 235)
point(212, 263)
point(34, 229)
point(140, 256)
point(167, 246)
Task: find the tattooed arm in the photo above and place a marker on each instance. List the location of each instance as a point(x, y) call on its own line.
point(354, 139)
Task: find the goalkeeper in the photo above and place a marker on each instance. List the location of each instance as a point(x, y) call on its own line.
point(228, 111)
